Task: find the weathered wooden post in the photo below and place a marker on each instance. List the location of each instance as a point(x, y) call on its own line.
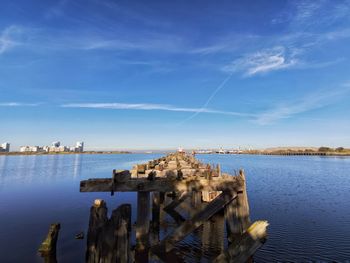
point(243, 204)
point(155, 224)
point(213, 234)
point(237, 212)
point(108, 240)
point(47, 248)
point(142, 226)
point(98, 218)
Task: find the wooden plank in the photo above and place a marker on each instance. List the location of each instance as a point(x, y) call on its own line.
point(161, 185)
point(197, 220)
point(250, 241)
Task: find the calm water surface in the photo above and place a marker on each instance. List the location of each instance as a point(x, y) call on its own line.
point(305, 199)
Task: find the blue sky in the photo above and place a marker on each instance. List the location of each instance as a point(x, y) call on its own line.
point(163, 74)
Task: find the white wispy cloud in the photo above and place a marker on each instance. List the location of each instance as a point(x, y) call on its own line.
point(8, 38)
point(148, 106)
point(263, 61)
point(308, 103)
point(18, 104)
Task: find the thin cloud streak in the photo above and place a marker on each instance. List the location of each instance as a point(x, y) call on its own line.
point(308, 103)
point(146, 106)
point(18, 104)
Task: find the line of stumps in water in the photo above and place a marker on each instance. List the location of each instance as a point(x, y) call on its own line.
point(181, 187)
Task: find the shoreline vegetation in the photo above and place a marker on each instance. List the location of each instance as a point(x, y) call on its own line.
point(322, 151)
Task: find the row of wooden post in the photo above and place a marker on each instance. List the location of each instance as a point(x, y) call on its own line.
point(109, 239)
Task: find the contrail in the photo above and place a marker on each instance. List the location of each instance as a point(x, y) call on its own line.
point(222, 84)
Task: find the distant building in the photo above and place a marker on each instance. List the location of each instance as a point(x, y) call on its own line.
point(5, 147)
point(56, 144)
point(30, 149)
point(55, 147)
point(59, 148)
point(79, 147)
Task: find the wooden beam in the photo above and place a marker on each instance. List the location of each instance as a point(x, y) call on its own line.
point(233, 183)
point(250, 241)
point(197, 220)
point(182, 196)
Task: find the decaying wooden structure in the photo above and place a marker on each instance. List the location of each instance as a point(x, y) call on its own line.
point(163, 185)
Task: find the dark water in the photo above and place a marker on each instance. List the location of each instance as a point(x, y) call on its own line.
point(305, 199)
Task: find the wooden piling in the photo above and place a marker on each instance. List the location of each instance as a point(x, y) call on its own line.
point(237, 212)
point(142, 226)
point(182, 176)
point(108, 240)
point(47, 248)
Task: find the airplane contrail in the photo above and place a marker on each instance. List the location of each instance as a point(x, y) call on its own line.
point(222, 84)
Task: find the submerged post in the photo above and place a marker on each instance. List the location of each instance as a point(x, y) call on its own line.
point(47, 248)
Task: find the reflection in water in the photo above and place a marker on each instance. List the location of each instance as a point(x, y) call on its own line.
point(77, 165)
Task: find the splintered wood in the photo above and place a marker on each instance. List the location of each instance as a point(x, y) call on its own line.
point(179, 183)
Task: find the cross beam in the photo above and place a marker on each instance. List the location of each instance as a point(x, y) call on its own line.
point(161, 185)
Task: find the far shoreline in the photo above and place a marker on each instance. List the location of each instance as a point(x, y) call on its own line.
point(62, 153)
point(277, 153)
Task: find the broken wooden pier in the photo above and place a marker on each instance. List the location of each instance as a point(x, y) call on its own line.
point(193, 194)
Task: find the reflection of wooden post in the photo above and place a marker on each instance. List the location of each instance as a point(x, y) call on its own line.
point(142, 226)
point(237, 213)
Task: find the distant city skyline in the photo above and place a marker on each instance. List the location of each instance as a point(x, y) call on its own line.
point(159, 75)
